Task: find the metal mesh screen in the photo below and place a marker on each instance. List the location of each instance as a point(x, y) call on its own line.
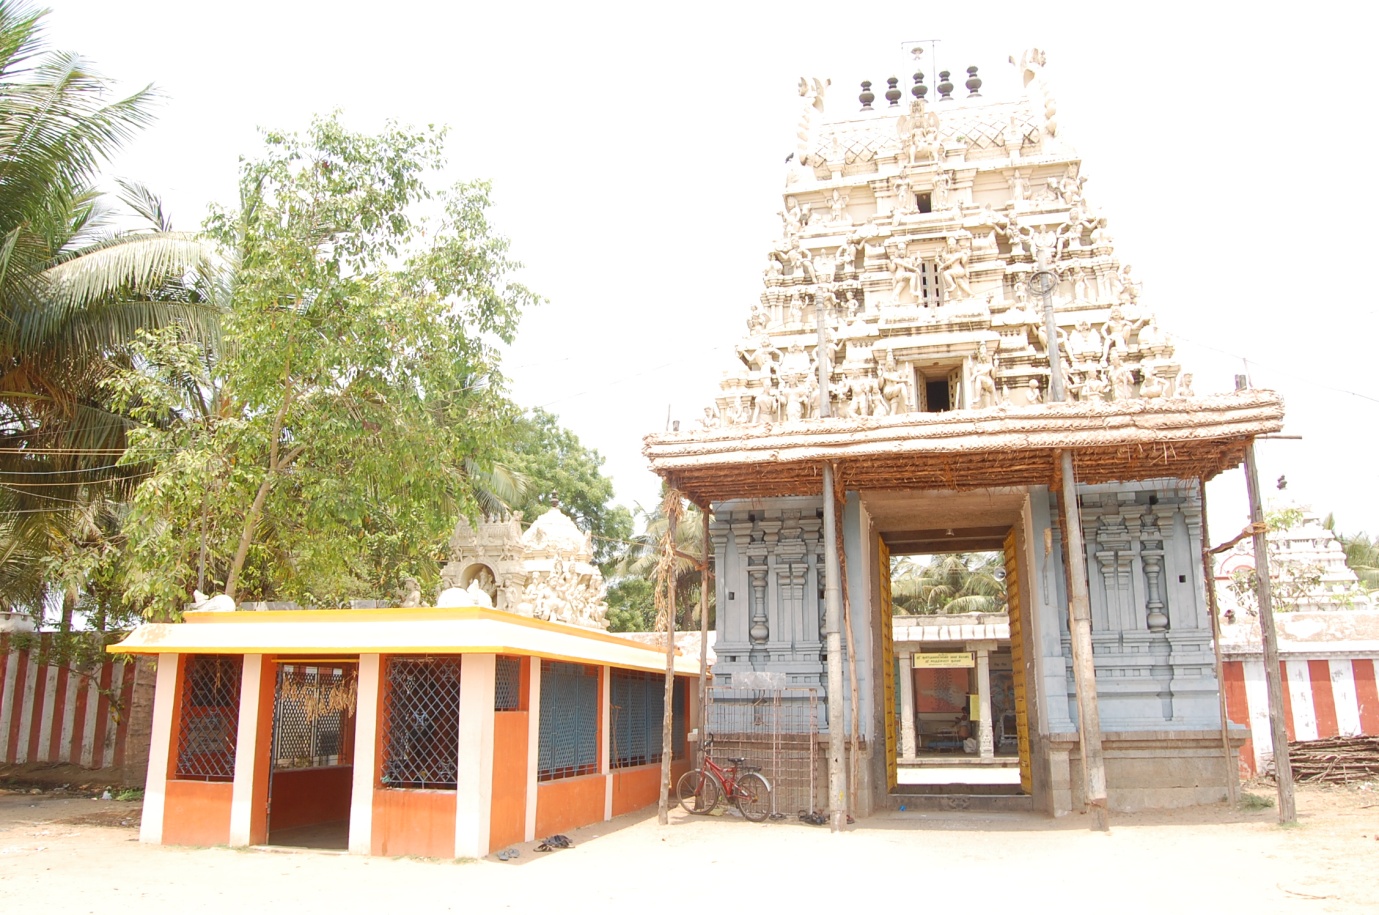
point(568, 741)
point(507, 688)
point(209, 719)
point(638, 710)
point(776, 729)
point(312, 715)
point(421, 722)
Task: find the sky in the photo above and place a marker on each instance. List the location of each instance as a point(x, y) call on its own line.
point(636, 153)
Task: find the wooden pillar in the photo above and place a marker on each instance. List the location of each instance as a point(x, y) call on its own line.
point(703, 636)
point(1283, 767)
point(1084, 665)
point(833, 645)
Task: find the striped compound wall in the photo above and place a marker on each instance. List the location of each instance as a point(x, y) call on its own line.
point(54, 714)
point(1322, 697)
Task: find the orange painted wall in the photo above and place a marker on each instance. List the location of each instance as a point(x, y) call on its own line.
point(413, 822)
point(569, 803)
point(196, 813)
point(508, 813)
point(306, 797)
point(638, 786)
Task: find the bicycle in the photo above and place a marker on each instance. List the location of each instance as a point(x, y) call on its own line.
point(701, 790)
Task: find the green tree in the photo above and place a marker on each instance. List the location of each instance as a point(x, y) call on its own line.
point(558, 470)
point(952, 583)
point(640, 560)
point(325, 450)
point(77, 280)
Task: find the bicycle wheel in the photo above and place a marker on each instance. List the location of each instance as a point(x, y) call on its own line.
point(753, 797)
point(699, 791)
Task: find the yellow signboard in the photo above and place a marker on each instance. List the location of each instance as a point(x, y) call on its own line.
point(945, 659)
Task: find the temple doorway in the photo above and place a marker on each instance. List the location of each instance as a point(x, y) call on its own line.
point(956, 711)
point(311, 769)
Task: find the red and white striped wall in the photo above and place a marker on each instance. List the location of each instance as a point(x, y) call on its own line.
point(54, 714)
point(1322, 697)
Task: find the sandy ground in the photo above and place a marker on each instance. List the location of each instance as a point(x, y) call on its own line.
point(69, 853)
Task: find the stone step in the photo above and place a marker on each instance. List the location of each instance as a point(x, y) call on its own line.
point(1012, 803)
point(957, 788)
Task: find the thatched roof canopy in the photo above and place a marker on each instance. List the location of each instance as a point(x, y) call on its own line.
point(968, 449)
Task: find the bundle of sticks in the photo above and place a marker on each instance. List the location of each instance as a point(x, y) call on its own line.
point(1334, 760)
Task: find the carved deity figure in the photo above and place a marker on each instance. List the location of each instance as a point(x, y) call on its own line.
point(1032, 392)
point(1127, 286)
point(1153, 387)
point(765, 405)
point(904, 196)
point(1084, 343)
point(1094, 386)
point(903, 270)
point(1019, 186)
point(838, 207)
point(1121, 376)
point(895, 387)
point(711, 419)
point(919, 135)
point(757, 321)
point(845, 258)
point(943, 188)
point(952, 269)
point(984, 378)
point(1184, 386)
point(1116, 332)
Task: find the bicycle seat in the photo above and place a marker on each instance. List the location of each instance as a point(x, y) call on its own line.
point(737, 760)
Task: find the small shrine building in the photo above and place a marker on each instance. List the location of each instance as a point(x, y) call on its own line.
point(447, 731)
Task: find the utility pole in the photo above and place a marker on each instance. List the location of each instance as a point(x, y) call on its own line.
point(1079, 601)
point(1283, 766)
point(833, 607)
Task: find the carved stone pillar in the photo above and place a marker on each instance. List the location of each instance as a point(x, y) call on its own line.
point(759, 632)
point(986, 746)
point(907, 705)
point(1152, 555)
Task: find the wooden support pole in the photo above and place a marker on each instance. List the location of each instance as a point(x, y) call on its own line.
point(1084, 665)
point(833, 645)
point(1209, 579)
point(704, 637)
point(854, 733)
point(1283, 768)
point(666, 579)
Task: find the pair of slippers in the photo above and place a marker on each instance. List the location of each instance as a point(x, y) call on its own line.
point(551, 843)
point(508, 854)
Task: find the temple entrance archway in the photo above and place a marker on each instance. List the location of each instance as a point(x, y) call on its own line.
point(956, 715)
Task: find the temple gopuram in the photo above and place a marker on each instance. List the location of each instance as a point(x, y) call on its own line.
point(946, 332)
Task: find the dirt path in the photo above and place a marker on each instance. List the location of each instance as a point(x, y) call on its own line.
point(74, 854)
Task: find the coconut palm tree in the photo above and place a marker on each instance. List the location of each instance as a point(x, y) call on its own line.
point(954, 583)
point(79, 278)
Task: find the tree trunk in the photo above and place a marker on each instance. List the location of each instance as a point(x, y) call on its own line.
point(69, 606)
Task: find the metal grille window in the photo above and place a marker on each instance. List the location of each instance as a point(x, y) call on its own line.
point(313, 714)
point(568, 740)
point(421, 722)
point(507, 690)
point(209, 719)
point(638, 710)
